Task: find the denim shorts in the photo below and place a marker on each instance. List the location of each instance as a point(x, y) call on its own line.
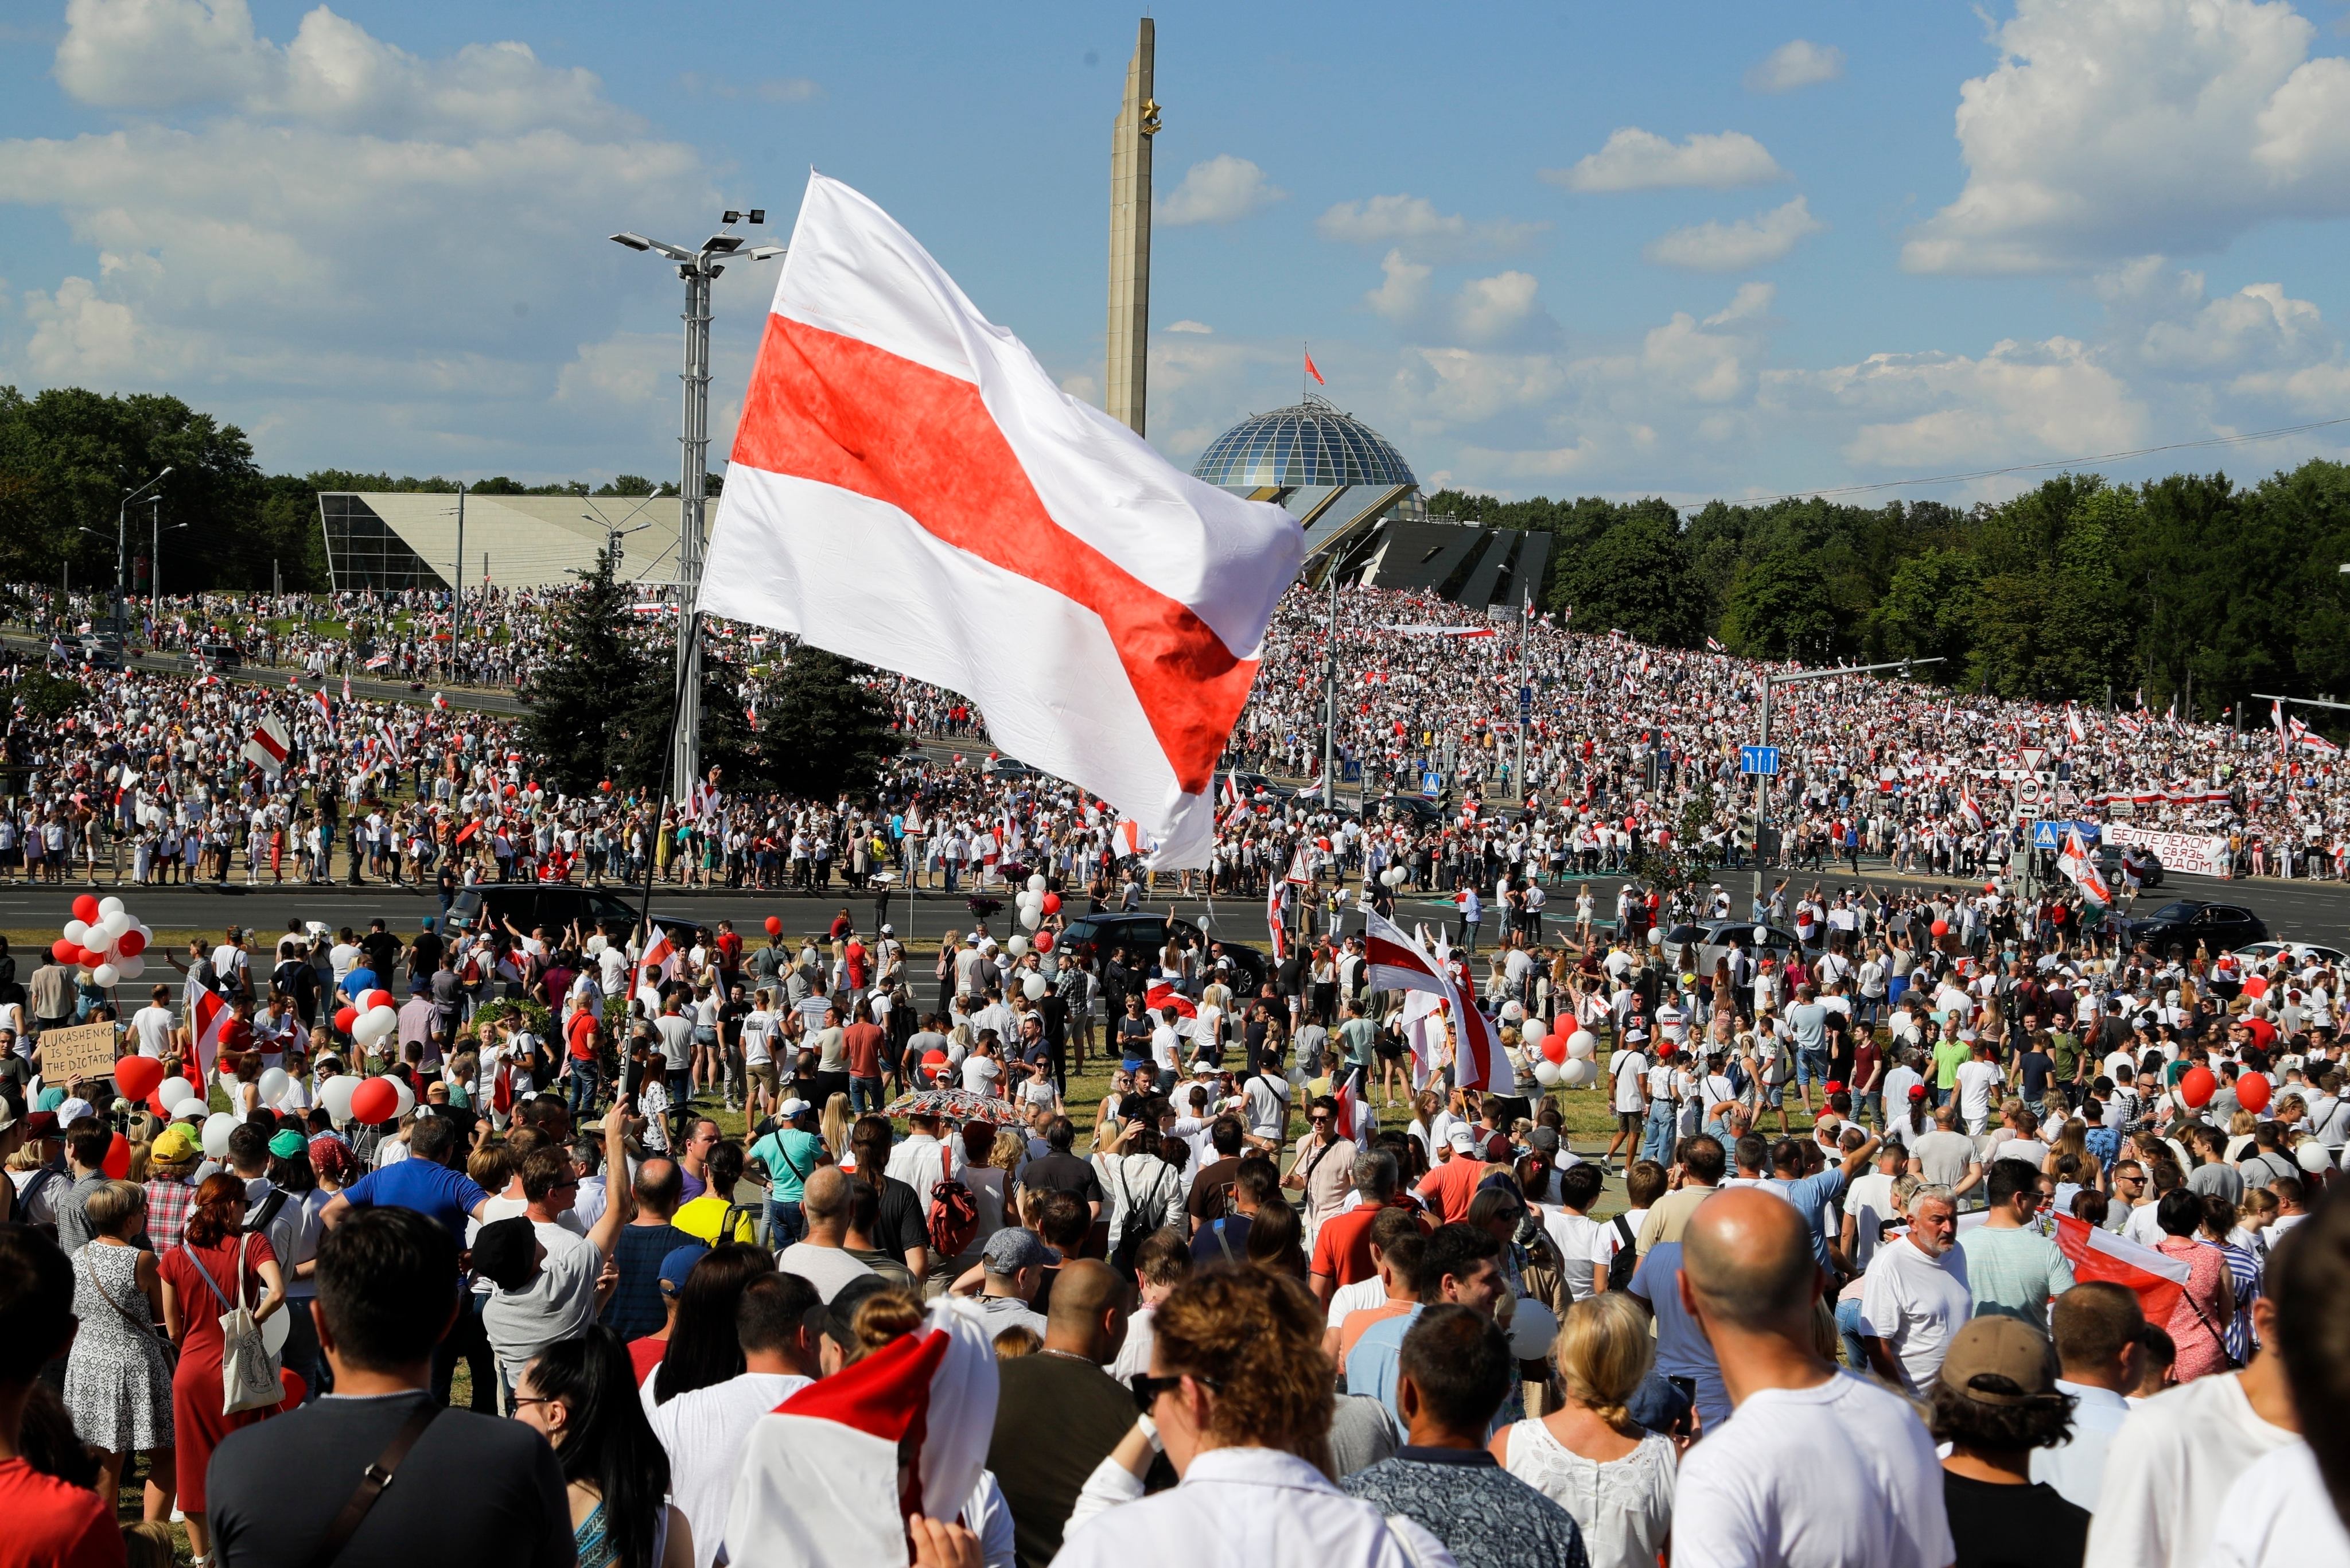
point(705, 1036)
point(1811, 1067)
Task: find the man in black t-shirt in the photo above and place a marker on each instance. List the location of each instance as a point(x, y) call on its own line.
point(1061, 1171)
point(484, 1488)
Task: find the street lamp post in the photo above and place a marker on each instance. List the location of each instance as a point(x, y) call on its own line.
point(699, 267)
point(1763, 781)
point(122, 554)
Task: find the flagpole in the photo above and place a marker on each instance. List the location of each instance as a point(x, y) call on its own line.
point(688, 626)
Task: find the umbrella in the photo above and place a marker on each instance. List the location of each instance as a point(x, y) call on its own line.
point(952, 1104)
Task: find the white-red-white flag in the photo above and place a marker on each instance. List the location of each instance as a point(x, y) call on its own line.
point(2100, 1254)
point(907, 480)
point(1400, 964)
point(2077, 863)
point(268, 747)
point(212, 1015)
point(1969, 812)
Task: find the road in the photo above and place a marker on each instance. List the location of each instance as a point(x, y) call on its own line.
point(2302, 911)
point(362, 687)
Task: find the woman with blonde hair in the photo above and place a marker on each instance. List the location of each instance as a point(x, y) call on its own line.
point(1589, 1456)
point(834, 1123)
point(118, 1374)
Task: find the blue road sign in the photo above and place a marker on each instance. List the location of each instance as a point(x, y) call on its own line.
point(1758, 760)
point(1431, 784)
point(2048, 834)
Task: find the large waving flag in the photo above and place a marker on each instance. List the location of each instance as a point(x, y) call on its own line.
point(908, 482)
point(2075, 862)
point(2099, 1254)
point(1400, 964)
point(268, 747)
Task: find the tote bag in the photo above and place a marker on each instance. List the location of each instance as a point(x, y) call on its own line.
point(249, 1380)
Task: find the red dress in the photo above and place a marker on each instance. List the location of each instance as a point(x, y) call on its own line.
point(198, 1425)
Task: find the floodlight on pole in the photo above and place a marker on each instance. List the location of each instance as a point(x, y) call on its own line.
point(122, 551)
point(699, 267)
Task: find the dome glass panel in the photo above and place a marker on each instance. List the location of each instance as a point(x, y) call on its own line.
point(1308, 443)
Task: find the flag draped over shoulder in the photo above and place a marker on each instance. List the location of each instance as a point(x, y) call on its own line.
point(909, 487)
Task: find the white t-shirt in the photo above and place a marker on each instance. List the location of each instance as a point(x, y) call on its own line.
point(2278, 1517)
point(1869, 1202)
point(1624, 1070)
point(152, 1027)
point(1577, 1239)
point(704, 1431)
point(1867, 1488)
point(559, 1303)
point(2170, 1471)
point(1978, 1081)
point(1915, 1303)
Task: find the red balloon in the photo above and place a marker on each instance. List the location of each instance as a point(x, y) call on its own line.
point(374, 1101)
point(345, 1017)
point(155, 1103)
point(1043, 943)
point(116, 1163)
point(935, 1064)
point(1052, 903)
point(89, 957)
point(85, 909)
point(133, 943)
point(2196, 1087)
point(375, 999)
point(1990, 886)
point(65, 952)
point(510, 790)
point(136, 1077)
point(605, 786)
point(1941, 927)
point(296, 1390)
point(775, 926)
point(2253, 1093)
point(1554, 1047)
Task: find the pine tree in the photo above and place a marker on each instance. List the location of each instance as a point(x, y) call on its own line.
point(820, 732)
point(593, 684)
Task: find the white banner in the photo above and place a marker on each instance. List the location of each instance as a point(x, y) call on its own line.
point(2196, 854)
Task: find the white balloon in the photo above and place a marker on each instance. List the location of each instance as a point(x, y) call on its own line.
point(1762, 933)
point(1032, 917)
point(1546, 1074)
point(109, 906)
point(1581, 1047)
point(407, 1097)
point(105, 976)
point(374, 1024)
point(217, 1127)
point(131, 968)
point(173, 1092)
point(76, 932)
point(1656, 936)
point(110, 928)
point(2311, 1157)
point(1036, 883)
point(1016, 945)
point(1578, 1073)
point(335, 1093)
point(1034, 988)
point(274, 1082)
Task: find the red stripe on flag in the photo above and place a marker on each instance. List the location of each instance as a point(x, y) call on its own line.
point(838, 412)
point(1381, 953)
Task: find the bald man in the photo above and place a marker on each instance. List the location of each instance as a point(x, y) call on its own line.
point(1869, 1489)
point(819, 1257)
point(1057, 1413)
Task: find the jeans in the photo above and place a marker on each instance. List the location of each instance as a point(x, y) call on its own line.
point(865, 1095)
point(468, 1342)
point(584, 1082)
point(1656, 1134)
point(303, 1358)
point(1871, 1109)
point(1811, 1067)
point(785, 1224)
point(1847, 1322)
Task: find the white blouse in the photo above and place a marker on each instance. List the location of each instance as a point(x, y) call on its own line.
point(1625, 1506)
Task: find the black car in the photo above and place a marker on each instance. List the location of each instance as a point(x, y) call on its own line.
point(2112, 857)
point(2190, 922)
point(1141, 937)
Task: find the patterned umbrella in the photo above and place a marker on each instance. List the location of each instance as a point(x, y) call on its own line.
point(951, 1105)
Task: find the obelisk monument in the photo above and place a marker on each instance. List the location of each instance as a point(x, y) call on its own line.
point(1129, 237)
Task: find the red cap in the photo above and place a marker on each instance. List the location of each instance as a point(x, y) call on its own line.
point(1916, 1091)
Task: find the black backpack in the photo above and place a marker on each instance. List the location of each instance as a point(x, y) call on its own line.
point(1626, 1261)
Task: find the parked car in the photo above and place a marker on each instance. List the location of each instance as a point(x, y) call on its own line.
point(1696, 946)
point(2112, 857)
point(2185, 924)
point(555, 906)
point(1142, 936)
point(101, 650)
point(2292, 952)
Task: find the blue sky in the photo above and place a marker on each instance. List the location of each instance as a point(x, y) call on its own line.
point(1694, 250)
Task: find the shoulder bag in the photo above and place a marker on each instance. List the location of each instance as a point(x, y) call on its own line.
point(249, 1380)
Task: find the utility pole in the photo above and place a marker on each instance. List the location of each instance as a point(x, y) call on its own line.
point(122, 553)
point(1330, 701)
point(1763, 781)
point(1525, 715)
point(457, 588)
point(699, 267)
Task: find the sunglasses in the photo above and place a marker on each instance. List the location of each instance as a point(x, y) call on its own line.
point(1147, 1389)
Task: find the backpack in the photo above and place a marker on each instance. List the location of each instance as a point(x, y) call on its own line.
point(1626, 1261)
point(953, 1218)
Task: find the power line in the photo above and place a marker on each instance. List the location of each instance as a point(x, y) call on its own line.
point(2053, 462)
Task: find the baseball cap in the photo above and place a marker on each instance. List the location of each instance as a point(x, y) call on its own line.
point(1544, 1141)
point(73, 1110)
point(287, 1143)
point(1916, 1091)
point(678, 1263)
point(1460, 1140)
point(2005, 1348)
point(837, 1316)
point(1012, 1250)
point(791, 1108)
point(889, 931)
point(176, 1143)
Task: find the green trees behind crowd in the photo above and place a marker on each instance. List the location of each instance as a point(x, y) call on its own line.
point(2190, 584)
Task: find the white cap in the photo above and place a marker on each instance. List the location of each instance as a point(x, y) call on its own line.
point(1460, 1140)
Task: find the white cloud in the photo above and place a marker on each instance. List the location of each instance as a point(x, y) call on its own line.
point(1489, 309)
point(1715, 246)
point(1201, 328)
point(337, 234)
point(1752, 302)
point(2020, 400)
point(1414, 226)
point(1404, 291)
point(1636, 160)
point(1222, 189)
point(1799, 63)
point(2113, 127)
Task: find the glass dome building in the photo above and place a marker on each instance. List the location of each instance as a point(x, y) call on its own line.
point(1307, 443)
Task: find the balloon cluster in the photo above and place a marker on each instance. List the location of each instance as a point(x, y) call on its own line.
point(1035, 903)
point(1394, 876)
point(349, 1097)
point(372, 1018)
point(104, 938)
point(1565, 1057)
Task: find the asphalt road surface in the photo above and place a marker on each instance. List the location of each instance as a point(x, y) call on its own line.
point(2302, 912)
point(363, 686)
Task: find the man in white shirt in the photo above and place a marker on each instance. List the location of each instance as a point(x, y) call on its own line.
point(2096, 1326)
point(820, 1258)
point(1862, 1486)
point(703, 1430)
point(1869, 1204)
point(1979, 1079)
point(1627, 1066)
point(151, 1025)
point(1572, 1229)
point(1916, 1295)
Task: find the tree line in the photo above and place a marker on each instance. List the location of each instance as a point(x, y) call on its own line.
point(2189, 586)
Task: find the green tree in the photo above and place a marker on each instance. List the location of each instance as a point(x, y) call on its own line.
point(1779, 608)
point(1928, 610)
point(587, 701)
point(821, 731)
point(1636, 577)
